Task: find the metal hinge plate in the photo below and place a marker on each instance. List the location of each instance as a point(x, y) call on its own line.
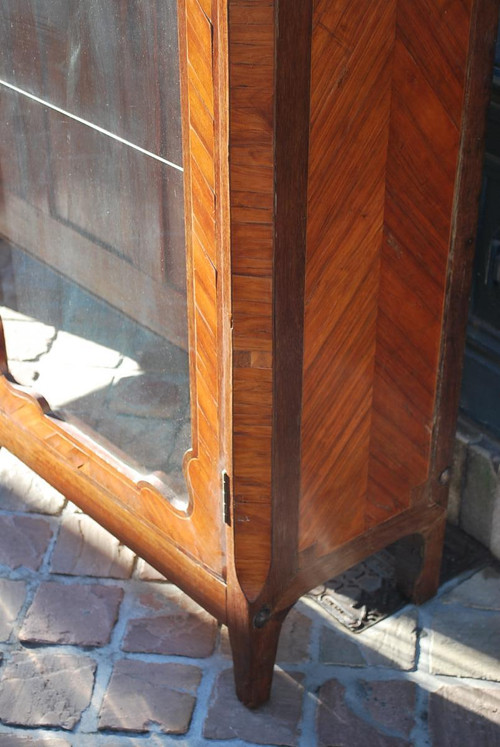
point(226, 498)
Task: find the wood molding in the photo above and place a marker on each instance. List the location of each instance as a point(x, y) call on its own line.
point(252, 184)
point(269, 78)
point(315, 570)
point(293, 93)
point(202, 464)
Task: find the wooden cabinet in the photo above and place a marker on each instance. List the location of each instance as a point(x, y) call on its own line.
point(331, 155)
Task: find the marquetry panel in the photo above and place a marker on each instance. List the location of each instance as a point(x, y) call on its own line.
point(383, 157)
point(251, 96)
point(320, 191)
point(430, 48)
point(352, 54)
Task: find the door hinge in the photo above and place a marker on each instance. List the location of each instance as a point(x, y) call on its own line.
point(226, 498)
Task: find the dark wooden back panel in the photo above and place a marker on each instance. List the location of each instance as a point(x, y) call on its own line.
point(386, 103)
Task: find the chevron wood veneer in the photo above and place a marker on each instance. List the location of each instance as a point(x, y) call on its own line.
point(386, 111)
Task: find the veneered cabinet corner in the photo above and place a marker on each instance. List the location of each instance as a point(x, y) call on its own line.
point(314, 276)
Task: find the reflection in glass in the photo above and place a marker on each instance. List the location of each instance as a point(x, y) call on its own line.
point(94, 303)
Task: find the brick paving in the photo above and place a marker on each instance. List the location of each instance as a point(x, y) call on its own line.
point(97, 648)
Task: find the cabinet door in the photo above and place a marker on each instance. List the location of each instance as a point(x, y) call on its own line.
point(94, 297)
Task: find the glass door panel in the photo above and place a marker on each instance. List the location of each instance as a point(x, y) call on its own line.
point(93, 277)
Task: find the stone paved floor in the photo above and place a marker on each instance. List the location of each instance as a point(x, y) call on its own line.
point(97, 649)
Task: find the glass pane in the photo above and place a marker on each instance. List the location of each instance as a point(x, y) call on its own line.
point(93, 288)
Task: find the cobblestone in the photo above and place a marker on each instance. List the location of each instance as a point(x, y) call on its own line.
point(12, 740)
point(277, 722)
point(481, 591)
point(83, 615)
point(175, 625)
point(167, 697)
point(45, 689)
point(23, 490)
point(84, 548)
point(465, 644)
point(465, 716)
point(12, 595)
point(391, 703)
point(146, 572)
point(340, 726)
point(24, 540)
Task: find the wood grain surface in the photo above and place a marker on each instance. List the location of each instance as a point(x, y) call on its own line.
point(252, 189)
point(387, 99)
point(202, 465)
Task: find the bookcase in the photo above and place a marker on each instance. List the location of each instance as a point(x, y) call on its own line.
point(242, 232)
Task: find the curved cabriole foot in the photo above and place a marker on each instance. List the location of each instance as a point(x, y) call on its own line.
point(254, 642)
point(418, 562)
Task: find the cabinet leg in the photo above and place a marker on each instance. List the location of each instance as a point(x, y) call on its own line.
point(418, 562)
point(254, 642)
